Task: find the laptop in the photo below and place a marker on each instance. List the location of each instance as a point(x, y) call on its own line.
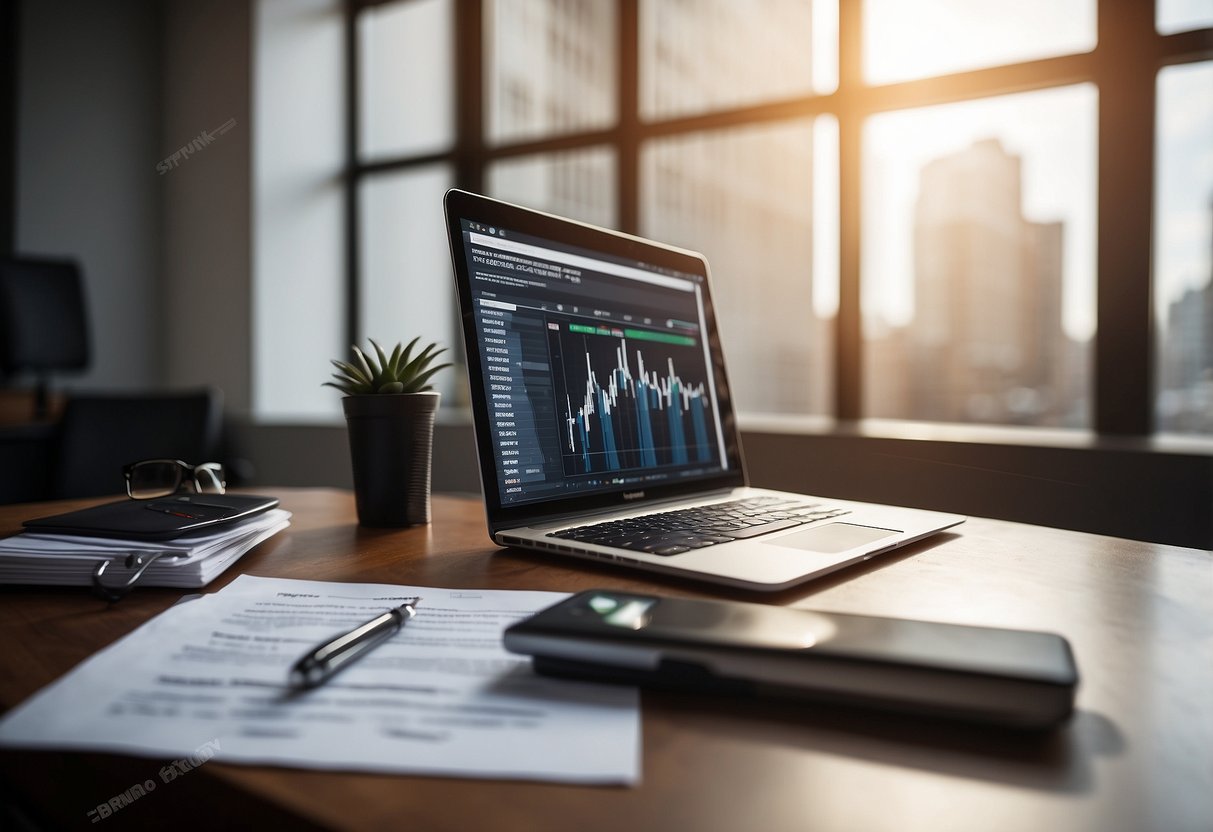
point(604, 425)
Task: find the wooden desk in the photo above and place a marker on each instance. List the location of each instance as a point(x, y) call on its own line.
point(1138, 754)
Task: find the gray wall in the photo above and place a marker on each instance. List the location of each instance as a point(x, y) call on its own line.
point(106, 91)
point(88, 120)
point(206, 292)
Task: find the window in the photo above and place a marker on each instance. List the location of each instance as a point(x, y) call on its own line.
point(1183, 252)
point(1173, 16)
point(551, 68)
point(979, 260)
point(744, 196)
point(406, 89)
point(404, 260)
point(703, 55)
point(575, 183)
point(939, 209)
point(905, 39)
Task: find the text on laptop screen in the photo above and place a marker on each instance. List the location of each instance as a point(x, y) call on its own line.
point(596, 369)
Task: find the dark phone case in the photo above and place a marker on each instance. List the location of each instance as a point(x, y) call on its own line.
point(162, 519)
point(1055, 703)
point(854, 666)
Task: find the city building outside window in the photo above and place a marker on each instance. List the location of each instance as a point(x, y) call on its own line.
point(912, 209)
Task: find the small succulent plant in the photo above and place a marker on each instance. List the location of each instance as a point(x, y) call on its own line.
point(401, 372)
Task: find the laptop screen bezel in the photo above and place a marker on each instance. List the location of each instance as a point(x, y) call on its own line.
point(463, 205)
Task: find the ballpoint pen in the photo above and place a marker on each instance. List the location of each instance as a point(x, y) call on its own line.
point(316, 666)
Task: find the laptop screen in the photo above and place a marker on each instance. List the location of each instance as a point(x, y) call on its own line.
point(595, 364)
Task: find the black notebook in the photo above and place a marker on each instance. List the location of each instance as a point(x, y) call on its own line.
point(162, 519)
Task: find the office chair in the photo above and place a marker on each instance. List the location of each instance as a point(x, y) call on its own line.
point(43, 322)
point(99, 433)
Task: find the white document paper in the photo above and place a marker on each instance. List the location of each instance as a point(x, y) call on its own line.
point(193, 561)
point(442, 696)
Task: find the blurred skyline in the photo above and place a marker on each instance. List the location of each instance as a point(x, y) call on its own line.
point(762, 199)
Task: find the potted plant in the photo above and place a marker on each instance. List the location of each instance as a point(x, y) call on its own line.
point(389, 410)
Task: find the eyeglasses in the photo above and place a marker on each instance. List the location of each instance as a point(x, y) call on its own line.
point(153, 478)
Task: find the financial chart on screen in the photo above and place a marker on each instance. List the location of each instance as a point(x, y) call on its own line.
point(622, 400)
point(596, 369)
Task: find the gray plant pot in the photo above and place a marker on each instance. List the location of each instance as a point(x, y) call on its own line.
point(391, 448)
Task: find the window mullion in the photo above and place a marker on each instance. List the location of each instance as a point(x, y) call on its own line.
point(353, 278)
point(627, 146)
point(467, 52)
point(1126, 67)
point(848, 334)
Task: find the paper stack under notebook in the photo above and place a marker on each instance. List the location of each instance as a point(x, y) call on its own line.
point(194, 560)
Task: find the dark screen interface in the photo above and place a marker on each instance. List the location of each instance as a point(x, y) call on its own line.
point(596, 369)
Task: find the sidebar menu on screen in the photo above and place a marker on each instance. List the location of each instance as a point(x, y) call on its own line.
point(519, 385)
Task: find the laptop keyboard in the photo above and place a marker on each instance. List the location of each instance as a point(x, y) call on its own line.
point(681, 530)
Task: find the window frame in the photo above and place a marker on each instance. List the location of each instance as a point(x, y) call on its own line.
point(1123, 67)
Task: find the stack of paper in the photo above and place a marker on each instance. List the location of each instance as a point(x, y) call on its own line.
point(209, 678)
point(39, 558)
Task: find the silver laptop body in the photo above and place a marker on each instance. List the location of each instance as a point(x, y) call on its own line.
point(604, 425)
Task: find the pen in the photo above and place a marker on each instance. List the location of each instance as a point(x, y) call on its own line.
point(316, 666)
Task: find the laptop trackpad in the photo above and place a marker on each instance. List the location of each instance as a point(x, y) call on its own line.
point(834, 538)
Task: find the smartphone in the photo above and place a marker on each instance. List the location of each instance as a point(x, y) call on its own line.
point(1014, 678)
